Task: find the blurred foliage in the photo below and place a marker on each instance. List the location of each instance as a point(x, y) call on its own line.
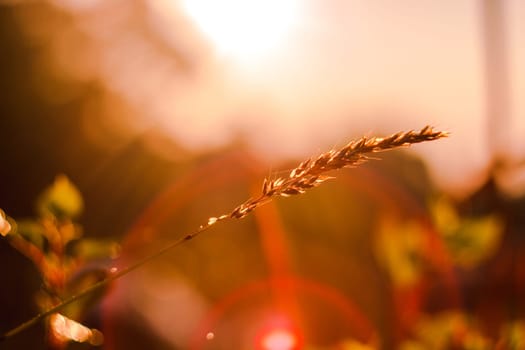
point(399, 247)
point(382, 246)
point(448, 330)
point(512, 336)
point(456, 330)
point(90, 249)
point(470, 240)
point(61, 200)
point(67, 262)
point(31, 231)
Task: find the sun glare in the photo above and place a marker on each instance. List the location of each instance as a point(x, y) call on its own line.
point(243, 29)
point(279, 339)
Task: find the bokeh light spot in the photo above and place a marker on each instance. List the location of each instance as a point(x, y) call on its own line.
point(279, 339)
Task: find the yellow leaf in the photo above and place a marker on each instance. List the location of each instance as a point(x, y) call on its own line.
point(62, 199)
point(513, 336)
point(448, 330)
point(445, 216)
point(398, 248)
point(469, 240)
point(479, 240)
point(96, 249)
point(31, 231)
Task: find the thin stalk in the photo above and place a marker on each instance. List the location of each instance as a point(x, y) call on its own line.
point(116, 275)
point(306, 175)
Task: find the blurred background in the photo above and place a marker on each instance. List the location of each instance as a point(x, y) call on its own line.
point(166, 112)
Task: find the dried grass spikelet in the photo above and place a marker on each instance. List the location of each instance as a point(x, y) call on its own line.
point(311, 172)
point(308, 174)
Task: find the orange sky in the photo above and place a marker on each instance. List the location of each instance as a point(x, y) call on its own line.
point(342, 69)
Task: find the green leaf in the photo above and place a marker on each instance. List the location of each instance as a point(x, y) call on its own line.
point(90, 249)
point(470, 240)
point(31, 231)
point(62, 199)
point(449, 330)
point(475, 241)
point(399, 249)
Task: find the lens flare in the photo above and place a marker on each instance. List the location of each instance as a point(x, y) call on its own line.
point(279, 339)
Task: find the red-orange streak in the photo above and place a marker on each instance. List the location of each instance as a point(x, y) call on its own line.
point(186, 187)
point(355, 320)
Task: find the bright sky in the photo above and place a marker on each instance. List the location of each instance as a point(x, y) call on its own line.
point(246, 31)
point(296, 77)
